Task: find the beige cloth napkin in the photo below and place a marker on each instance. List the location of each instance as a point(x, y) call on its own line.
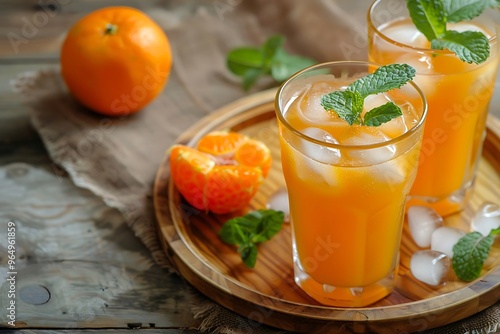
point(117, 158)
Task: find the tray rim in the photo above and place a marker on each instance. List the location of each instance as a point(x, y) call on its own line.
point(225, 113)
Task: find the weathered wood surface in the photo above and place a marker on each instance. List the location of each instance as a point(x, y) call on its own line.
point(35, 29)
point(78, 264)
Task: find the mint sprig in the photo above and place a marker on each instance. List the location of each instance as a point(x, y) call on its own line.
point(382, 114)
point(249, 230)
point(463, 10)
point(470, 253)
point(471, 45)
point(271, 59)
point(431, 16)
point(348, 104)
point(383, 79)
point(428, 16)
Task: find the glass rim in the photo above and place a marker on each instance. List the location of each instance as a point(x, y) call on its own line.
point(371, 25)
point(279, 107)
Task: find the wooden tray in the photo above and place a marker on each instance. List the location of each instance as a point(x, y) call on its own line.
point(267, 294)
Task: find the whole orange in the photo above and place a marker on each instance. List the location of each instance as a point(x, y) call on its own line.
point(116, 60)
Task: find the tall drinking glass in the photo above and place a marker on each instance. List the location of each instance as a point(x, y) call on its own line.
point(347, 185)
point(458, 95)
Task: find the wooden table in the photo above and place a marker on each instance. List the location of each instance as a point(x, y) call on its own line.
point(78, 264)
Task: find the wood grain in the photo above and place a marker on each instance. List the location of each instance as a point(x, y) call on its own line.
point(268, 292)
point(78, 264)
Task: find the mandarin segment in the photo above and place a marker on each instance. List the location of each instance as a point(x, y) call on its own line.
point(189, 169)
point(230, 188)
point(221, 142)
point(223, 173)
point(254, 153)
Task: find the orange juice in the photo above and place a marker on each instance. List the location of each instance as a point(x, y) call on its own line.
point(458, 96)
point(347, 186)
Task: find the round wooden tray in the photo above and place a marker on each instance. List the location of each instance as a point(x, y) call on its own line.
point(267, 294)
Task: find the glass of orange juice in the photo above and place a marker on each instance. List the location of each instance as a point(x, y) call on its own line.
point(347, 184)
point(458, 95)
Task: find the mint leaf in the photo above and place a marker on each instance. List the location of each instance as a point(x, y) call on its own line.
point(469, 46)
point(428, 16)
point(431, 16)
point(270, 59)
point(469, 254)
point(250, 77)
point(464, 10)
point(249, 254)
point(249, 230)
point(383, 79)
point(271, 46)
point(348, 105)
point(233, 233)
point(285, 65)
point(241, 60)
point(269, 224)
point(382, 114)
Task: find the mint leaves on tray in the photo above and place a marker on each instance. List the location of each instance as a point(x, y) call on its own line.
point(470, 253)
point(251, 229)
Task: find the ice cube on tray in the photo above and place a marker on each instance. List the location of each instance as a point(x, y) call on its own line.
point(444, 238)
point(430, 267)
point(487, 218)
point(423, 221)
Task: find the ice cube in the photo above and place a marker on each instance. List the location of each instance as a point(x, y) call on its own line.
point(422, 221)
point(279, 202)
point(380, 159)
point(389, 172)
point(315, 162)
point(394, 128)
point(313, 171)
point(400, 125)
point(487, 218)
point(444, 238)
point(372, 101)
point(324, 154)
point(366, 135)
point(407, 34)
point(422, 62)
point(430, 267)
point(309, 104)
